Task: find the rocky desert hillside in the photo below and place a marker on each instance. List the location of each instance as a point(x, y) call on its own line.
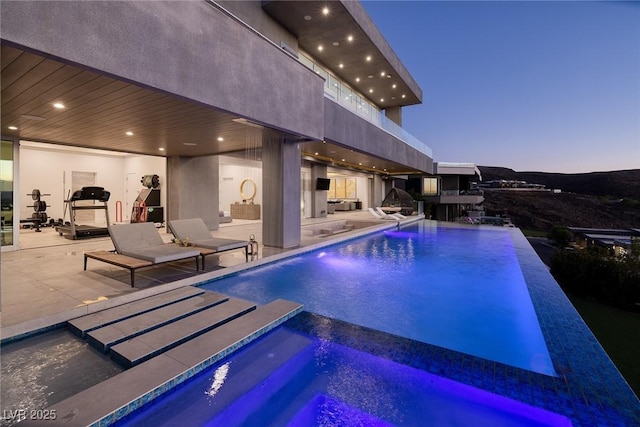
point(597, 200)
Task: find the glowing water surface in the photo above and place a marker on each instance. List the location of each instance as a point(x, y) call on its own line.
point(458, 288)
point(292, 379)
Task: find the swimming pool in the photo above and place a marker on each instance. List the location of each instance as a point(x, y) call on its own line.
point(288, 378)
point(458, 288)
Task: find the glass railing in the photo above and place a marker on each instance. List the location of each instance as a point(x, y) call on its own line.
point(340, 93)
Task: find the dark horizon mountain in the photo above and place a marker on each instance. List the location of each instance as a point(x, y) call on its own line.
point(594, 200)
point(613, 184)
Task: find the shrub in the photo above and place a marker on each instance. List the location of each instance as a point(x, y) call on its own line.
point(593, 273)
point(560, 236)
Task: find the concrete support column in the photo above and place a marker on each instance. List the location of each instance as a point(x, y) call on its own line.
point(192, 189)
point(394, 114)
point(319, 200)
point(281, 169)
point(378, 190)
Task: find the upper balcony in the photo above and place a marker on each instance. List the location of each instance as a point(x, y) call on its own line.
point(339, 92)
point(342, 37)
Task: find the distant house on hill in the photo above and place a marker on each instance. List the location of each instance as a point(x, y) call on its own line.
point(617, 240)
point(505, 184)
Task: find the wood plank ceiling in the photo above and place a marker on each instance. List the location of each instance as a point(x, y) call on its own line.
point(99, 110)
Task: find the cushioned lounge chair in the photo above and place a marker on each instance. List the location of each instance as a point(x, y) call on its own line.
point(200, 236)
point(140, 245)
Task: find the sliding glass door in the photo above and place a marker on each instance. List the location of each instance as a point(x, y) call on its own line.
point(9, 224)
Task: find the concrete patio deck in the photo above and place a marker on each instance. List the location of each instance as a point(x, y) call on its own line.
point(43, 284)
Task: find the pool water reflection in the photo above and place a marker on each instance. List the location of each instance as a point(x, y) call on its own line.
point(457, 288)
point(288, 378)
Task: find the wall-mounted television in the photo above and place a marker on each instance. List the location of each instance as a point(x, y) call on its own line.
point(323, 184)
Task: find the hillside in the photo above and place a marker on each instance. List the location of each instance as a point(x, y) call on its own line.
point(597, 200)
point(615, 184)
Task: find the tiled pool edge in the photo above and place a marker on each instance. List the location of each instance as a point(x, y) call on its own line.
point(588, 380)
point(167, 386)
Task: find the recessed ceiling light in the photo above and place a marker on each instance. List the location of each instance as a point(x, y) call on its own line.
point(403, 96)
point(357, 79)
point(374, 167)
point(368, 58)
point(343, 160)
point(220, 139)
point(129, 133)
point(382, 74)
point(320, 48)
point(359, 164)
point(307, 17)
point(393, 86)
point(58, 105)
point(381, 99)
point(12, 128)
point(316, 154)
point(341, 65)
point(370, 90)
point(161, 149)
point(325, 11)
point(350, 38)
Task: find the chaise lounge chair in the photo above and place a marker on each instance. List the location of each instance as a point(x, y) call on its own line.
point(382, 215)
point(199, 235)
point(396, 215)
point(140, 245)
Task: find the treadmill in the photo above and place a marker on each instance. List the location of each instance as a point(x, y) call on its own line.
point(74, 231)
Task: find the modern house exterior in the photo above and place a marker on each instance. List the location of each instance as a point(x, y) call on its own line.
point(298, 88)
point(453, 191)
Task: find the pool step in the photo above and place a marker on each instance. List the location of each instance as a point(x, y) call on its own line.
point(82, 325)
point(105, 337)
point(120, 395)
point(143, 347)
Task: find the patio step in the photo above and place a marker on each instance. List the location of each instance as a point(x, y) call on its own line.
point(143, 347)
point(82, 325)
point(121, 394)
point(105, 337)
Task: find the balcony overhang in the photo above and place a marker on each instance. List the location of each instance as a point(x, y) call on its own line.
point(348, 37)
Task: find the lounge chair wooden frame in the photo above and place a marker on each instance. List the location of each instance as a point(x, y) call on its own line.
point(140, 245)
point(130, 263)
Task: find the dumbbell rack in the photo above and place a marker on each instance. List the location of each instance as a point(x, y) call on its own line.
point(39, 215)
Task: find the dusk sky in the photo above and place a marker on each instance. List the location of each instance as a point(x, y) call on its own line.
point(549, 86)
